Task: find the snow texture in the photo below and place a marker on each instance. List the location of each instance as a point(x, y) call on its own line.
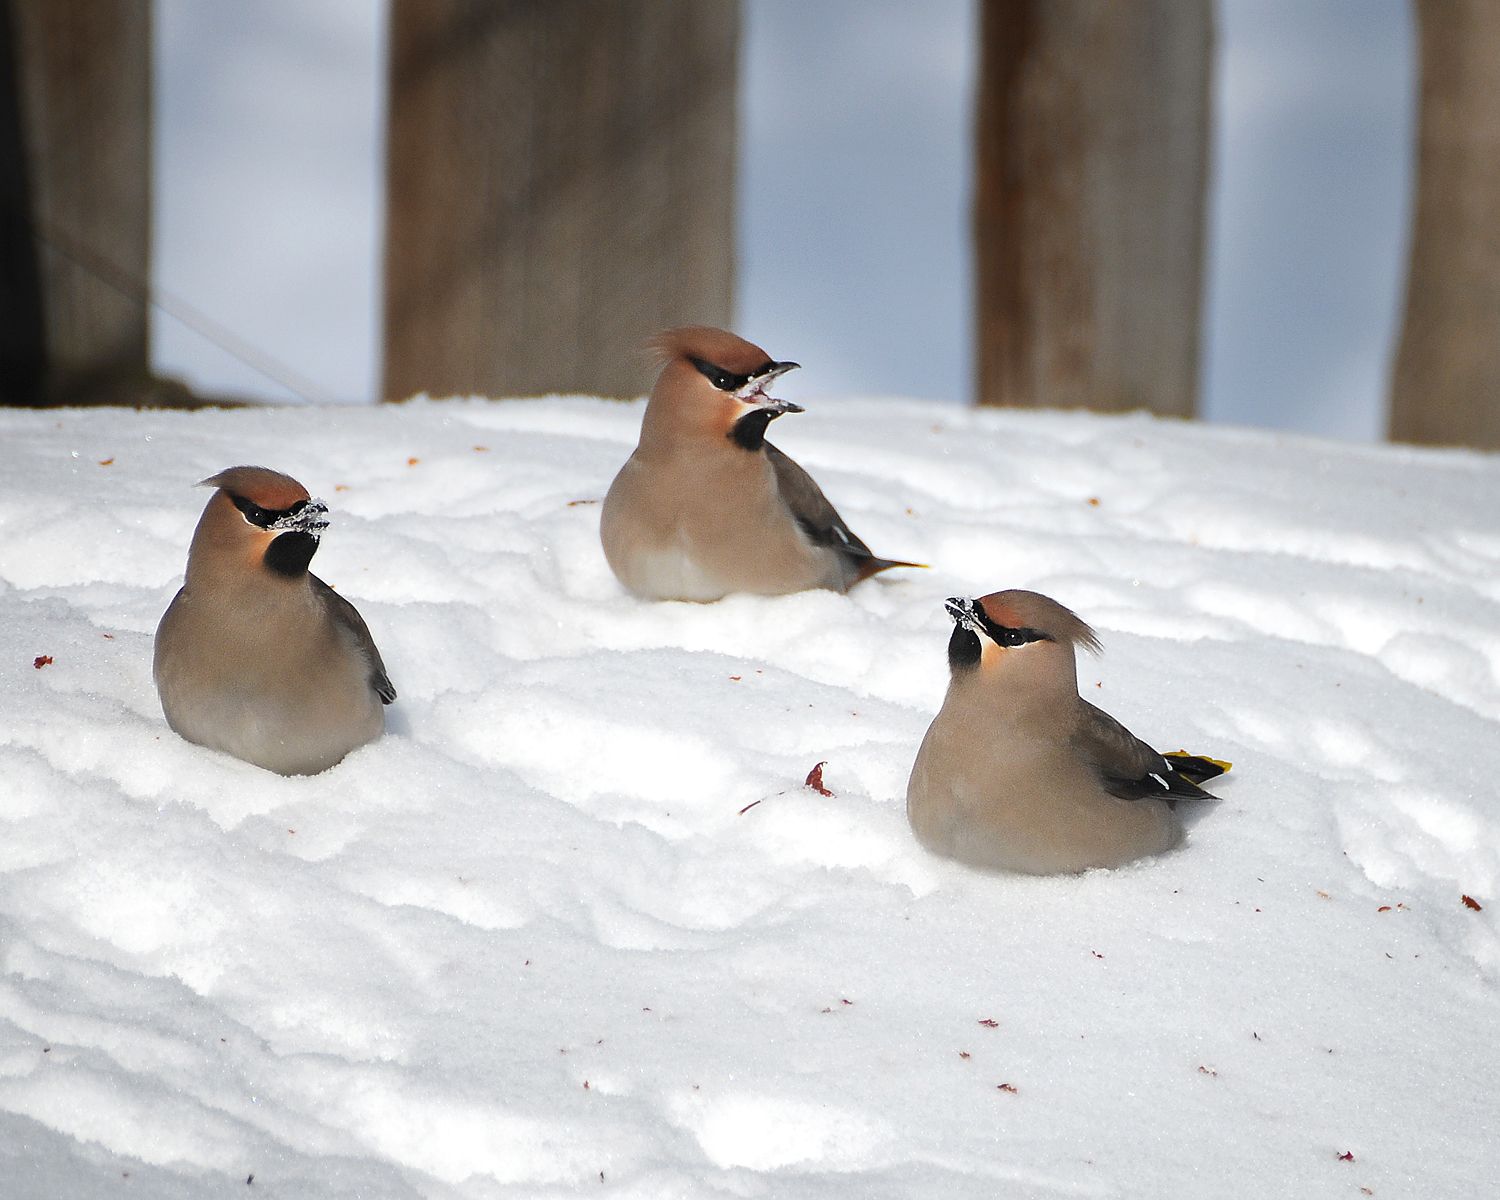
point(575, 926)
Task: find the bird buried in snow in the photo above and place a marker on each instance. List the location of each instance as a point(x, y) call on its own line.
point(256, 656)
point(705, 505)
point(1018, 772)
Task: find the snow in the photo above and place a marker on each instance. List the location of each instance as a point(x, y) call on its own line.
point(575, 926)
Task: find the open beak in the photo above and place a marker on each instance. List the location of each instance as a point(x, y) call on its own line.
point(311, 517)
point(961, 609)
point(754, 392)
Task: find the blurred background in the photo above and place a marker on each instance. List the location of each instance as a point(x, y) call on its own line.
point(1201, 207)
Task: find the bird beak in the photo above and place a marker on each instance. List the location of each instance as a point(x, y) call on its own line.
point(961, 609)
point(311, 517)
point(754, 392)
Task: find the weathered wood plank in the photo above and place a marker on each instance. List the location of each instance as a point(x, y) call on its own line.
point(75, 151)
point(1091, 164)
point(1446, 385)
point(560, 184)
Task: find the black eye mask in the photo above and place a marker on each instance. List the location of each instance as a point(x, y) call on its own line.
point(728, 381)
point(969, 614)
point(1004, 635)
point(305, 516)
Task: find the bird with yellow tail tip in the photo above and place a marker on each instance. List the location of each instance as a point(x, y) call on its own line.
point(1019, 773)
point(705, 506)
point(256, 656)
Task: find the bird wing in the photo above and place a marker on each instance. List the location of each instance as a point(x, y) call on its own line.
point(347, 615)
point(820, 521)
point(1128, 767)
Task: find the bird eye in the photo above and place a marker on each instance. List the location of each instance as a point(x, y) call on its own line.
point(254, 513)
point(1005, 635)
point(718, 376)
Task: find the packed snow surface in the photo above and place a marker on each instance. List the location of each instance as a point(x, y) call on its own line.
point(576, 925)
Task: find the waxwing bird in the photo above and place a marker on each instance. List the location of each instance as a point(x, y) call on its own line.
point(1018, 772)
point(256, 656)
point(706, 506)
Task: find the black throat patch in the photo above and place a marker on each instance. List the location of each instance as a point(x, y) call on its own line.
point(749, 432)
point(963, 649)
point(290, 553)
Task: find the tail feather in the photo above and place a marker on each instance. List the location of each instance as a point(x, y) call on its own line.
point(1190, 770)
point(1196, 767)
point(873, 566)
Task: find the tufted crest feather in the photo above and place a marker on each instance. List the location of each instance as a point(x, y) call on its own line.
point(259, 485)
point(1018, 609)
point(718, 346)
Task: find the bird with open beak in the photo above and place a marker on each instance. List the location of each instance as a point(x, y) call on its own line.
point(256, 656)
point(1018, 772)
point(705, 505)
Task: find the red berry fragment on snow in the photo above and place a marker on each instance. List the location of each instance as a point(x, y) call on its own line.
point(815, 780)
point(45, 660)
point(1469, 901)
point(990, 1023)
point(1347, 1156)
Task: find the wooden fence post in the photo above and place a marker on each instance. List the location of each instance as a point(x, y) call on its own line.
point(1093, 121)
point(560, 184)
point(75, 200)
point(1446, 385)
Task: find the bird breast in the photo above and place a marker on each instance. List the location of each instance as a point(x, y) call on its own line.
point(698, 526)
point(996, 795)
point(267, 676)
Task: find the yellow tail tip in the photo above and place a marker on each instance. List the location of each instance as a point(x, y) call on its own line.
point(1223, 766)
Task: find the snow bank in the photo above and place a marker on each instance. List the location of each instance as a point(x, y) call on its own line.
point(576, 926)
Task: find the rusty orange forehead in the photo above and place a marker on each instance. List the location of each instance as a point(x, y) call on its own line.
point(1017, 608)
point(259, 485)
point(718, 346)
point(1000, 607)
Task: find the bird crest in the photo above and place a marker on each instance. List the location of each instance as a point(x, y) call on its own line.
point(261, 486)
point(1019, 609)
point(717, 346)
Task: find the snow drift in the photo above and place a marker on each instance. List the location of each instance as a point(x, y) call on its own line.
point(576, 926)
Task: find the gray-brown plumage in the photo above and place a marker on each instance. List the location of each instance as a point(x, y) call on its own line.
point(256, 656)
point(706, 506)
point(1020, 773)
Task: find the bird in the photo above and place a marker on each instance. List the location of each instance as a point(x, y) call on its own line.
point(705, 506)
point(1019, 773)
point(256, 656)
